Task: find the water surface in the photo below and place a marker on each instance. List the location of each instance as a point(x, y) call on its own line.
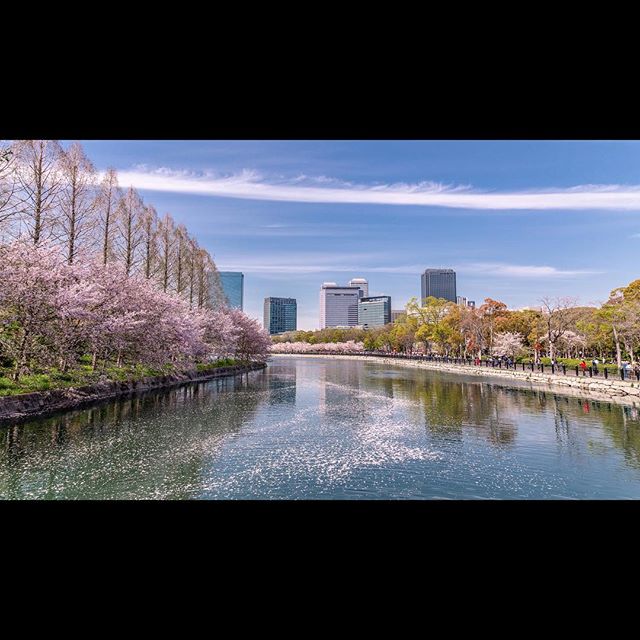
point(324, 429)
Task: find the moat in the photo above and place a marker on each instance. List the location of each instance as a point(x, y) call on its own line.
point(308, 428)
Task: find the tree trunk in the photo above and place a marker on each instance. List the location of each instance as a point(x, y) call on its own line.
point(629, 349)
point(21, 359)
point(617, 342)
point(105, 244)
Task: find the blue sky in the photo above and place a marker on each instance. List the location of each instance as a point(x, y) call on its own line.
point(517, 219)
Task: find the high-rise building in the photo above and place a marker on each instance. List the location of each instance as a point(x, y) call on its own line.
point(439, 283)
point(397, 313)
point(362, 284)
point(374, 311)
point(233, 288)
point(338, 305)
point(464, 302)
point(280, 315)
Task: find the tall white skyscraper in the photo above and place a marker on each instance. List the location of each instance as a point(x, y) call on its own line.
point(362, 283)
point(339, 305)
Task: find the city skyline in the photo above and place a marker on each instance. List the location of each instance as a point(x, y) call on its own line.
point(516, 220)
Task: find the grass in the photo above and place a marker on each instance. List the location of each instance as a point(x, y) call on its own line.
point(83, 375)
point(54, 379)
point(209, 366)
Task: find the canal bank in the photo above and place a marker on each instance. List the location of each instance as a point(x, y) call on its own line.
point(43, 403)
point(626, 392)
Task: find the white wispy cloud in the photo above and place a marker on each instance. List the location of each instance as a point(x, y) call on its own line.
point(249, 184)
point(521, 271)
point(357, 265)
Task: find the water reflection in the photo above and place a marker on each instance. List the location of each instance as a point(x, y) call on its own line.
point(150, 445)
point(316, 428)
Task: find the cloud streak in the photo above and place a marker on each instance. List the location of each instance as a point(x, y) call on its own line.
point(332, 264)
point(521, 271)
point(252, 185)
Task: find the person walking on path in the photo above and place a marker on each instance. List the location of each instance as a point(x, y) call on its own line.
point(583, 365)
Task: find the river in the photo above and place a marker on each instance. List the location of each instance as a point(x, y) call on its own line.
point(312, 428)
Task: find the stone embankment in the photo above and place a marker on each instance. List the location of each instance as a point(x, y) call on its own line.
point(40, 403)
point(609, 389)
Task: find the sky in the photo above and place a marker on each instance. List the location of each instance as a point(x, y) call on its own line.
point(517, 220)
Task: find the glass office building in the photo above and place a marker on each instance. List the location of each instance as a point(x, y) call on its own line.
point(339, 305)
point(280, 315)
point(439, 283)
point(233, 288)
point(374, 311)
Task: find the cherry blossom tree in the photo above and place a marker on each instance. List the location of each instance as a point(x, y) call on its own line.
point(558, 318)
point(219, 332)
point(508, 344)
point(252, 341)
point(31, 281)
point(52, 313)
point(93, 272)
point(324, 347)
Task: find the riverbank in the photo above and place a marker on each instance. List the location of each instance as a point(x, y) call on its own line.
point(625, 392)
point(41, 403)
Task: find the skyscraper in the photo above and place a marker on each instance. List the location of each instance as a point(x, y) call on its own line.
point(374, 311)
point(233, 288)
point(338, 305)
point(362, 284)
point(280, 315)
point(439, 283)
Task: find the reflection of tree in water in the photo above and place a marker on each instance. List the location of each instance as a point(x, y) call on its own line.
point(622, 425)
point(561, 420)
point(449, 406)
point(152, 444)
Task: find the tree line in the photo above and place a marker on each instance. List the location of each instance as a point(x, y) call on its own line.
point(89, 270)
point(52, 194)
point(558, 328)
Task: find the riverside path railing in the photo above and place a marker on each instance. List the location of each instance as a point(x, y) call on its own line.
point(496, 363)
